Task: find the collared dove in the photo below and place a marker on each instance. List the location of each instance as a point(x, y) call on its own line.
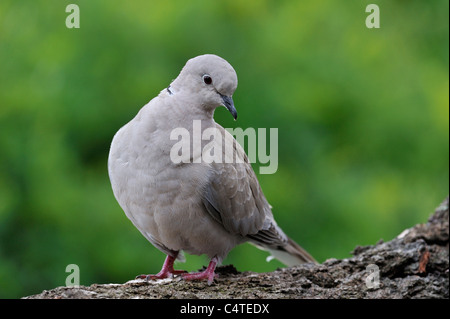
point(196, 206)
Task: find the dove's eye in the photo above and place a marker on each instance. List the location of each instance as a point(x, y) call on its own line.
point(207, 79)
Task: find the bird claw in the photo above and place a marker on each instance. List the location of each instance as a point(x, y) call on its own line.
point(167, 271)
point(208, 273)
point(200, 276)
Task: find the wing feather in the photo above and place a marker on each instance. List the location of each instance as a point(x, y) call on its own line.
point(233, 198)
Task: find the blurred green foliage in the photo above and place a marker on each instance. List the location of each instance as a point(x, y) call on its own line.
point(362, 117)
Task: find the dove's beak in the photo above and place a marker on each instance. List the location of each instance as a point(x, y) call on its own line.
point(228, 103)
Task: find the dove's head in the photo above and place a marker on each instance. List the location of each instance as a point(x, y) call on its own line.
point(210, 80)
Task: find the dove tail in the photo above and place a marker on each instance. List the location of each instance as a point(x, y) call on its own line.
point(290, 254)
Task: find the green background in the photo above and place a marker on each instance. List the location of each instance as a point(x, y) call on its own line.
point(362, 117)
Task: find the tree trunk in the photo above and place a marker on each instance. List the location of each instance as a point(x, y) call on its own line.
point(415, 264)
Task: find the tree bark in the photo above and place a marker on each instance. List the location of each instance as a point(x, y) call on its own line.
point(415, 264)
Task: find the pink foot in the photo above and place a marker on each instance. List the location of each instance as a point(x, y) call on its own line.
point(208, 273)
point(167, 271)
